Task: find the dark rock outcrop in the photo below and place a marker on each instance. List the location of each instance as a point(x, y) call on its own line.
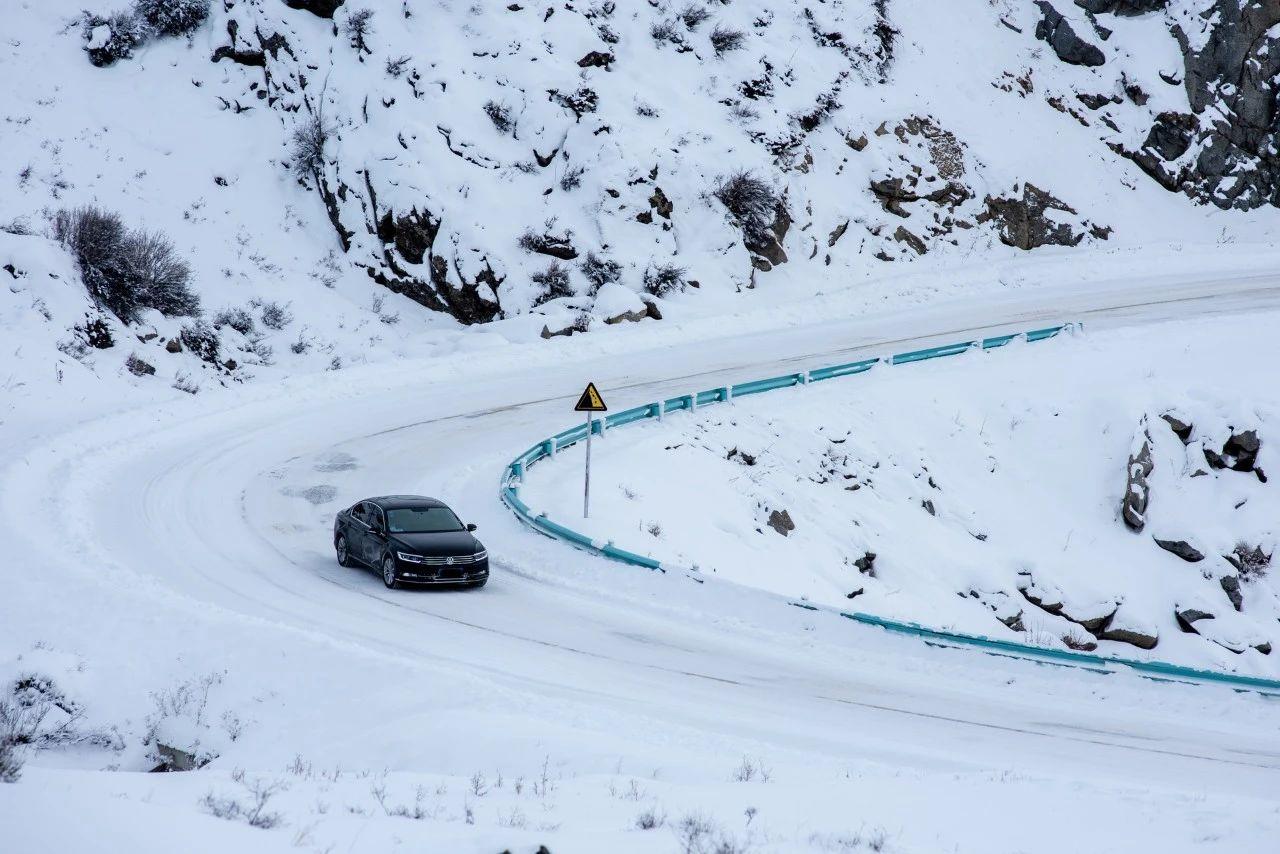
point(1182, 549)
point(320, 8)
point(1122, 7)
point(1138, 638)
point(765, 244)
point(1070, 48)
point(1227, 152)
point(1137, 492)
point(1022, 222)
point(1231, 587)
point(1188, 617)
point(780, 521)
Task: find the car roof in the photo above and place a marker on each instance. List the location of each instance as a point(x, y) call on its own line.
point(395, 502)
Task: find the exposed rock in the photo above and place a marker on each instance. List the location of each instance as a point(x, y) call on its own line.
point(1181, 548)
point(855, 594)
point(1264, 647)
point(1137, 491)
point(1179, 426)
point(1023, 221)
point(1187, 617)
point(1070, 48)
point(1242, 450)
point(1035, 597)
point(837, 233)
point(867, 564)
point(1121, 7)
point(173, 346)
point(1250, 562)
point(904, 235)
point(1014, 621)
point(780, 521)
point(1138, 638)
point(321, 8)
point(765, 245)
point(138, 367)
point(661, 205)
point(176, 759)
point(1231, 586)
point(596, 59)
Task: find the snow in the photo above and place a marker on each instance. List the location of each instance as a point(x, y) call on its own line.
point(969, 479)
point(167, 556)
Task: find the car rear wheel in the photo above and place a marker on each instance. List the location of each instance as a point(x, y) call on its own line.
point(344, 555)
point(389, 572)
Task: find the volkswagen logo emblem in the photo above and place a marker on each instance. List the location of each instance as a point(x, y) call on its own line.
point(449, 561)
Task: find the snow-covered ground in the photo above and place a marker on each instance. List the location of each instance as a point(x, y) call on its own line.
point(187, 544)
point(954, 493)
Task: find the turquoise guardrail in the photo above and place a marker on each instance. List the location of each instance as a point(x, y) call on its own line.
point(514, 473)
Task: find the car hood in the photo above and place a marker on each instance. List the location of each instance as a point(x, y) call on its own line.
point(444, 544)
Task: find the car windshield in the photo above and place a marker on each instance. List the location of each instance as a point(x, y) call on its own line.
point(422, 520)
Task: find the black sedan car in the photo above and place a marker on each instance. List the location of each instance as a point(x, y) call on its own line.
point(410, 539)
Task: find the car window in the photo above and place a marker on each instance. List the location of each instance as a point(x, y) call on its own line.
point(422, 520)
point(358, 513)
point(375, 518)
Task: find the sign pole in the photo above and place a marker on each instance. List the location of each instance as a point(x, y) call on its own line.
point(586, 483)
point(590, 402)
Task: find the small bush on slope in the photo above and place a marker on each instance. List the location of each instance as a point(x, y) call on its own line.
point(750, 199)
point(553, 282)
point(172, 17)
point(126, 271)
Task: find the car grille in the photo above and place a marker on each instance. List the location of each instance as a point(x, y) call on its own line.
point(457, 560)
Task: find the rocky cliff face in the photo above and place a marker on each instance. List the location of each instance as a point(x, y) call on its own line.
point(1225, 149)
point(494, 159)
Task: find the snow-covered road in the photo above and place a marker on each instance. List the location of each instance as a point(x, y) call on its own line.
point(195, 537)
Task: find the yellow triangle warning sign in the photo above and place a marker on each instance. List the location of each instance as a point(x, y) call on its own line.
point(591, 401)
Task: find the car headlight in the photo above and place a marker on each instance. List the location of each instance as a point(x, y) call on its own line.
point(405, 556)
point(482, 554)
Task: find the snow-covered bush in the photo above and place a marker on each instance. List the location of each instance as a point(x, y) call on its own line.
point(237, 318)
point(750, 199)
point(274, 315)
point(665, 31)
point(172, 17)
point(553, 282)
point(126, 271)
point(572, 178)
point(663, 279)
point(201, 339)
point(599, 271)
point(693, 15)
point(111, 38)
point(12, 752)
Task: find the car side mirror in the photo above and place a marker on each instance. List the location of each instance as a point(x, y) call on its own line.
point(471, 526)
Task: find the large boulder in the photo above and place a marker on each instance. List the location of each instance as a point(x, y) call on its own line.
point(1182, 549)
point(1137, 491)
point(1035, 218)
point(1070, 48)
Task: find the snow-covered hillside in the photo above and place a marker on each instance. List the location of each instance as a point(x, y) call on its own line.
point(983, 494)
point(381, 168)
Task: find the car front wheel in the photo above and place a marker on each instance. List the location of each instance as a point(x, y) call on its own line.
point(344, 555)
point(389, 572)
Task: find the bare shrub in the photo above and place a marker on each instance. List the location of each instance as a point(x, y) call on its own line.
point(553, 283)
point(358, 27)
point(1251, 561)
point(308, 143)
point(750, 199)
point(500, 115)
point(396, 67)
point(599, 271)
point(693, 15)
point(572, 178)
point(125, 271)
point(274, 315)
point(664, 279)
point(253, 810)
point(184, 382)
point(663, 32)
point(650, 819)
point(237, 318)
point(750, 770)
point(725, 39)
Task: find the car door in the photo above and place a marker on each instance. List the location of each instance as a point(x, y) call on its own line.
point(375, 535)
point(357, 529)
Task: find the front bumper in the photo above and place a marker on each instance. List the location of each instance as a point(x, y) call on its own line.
point(414, 573)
